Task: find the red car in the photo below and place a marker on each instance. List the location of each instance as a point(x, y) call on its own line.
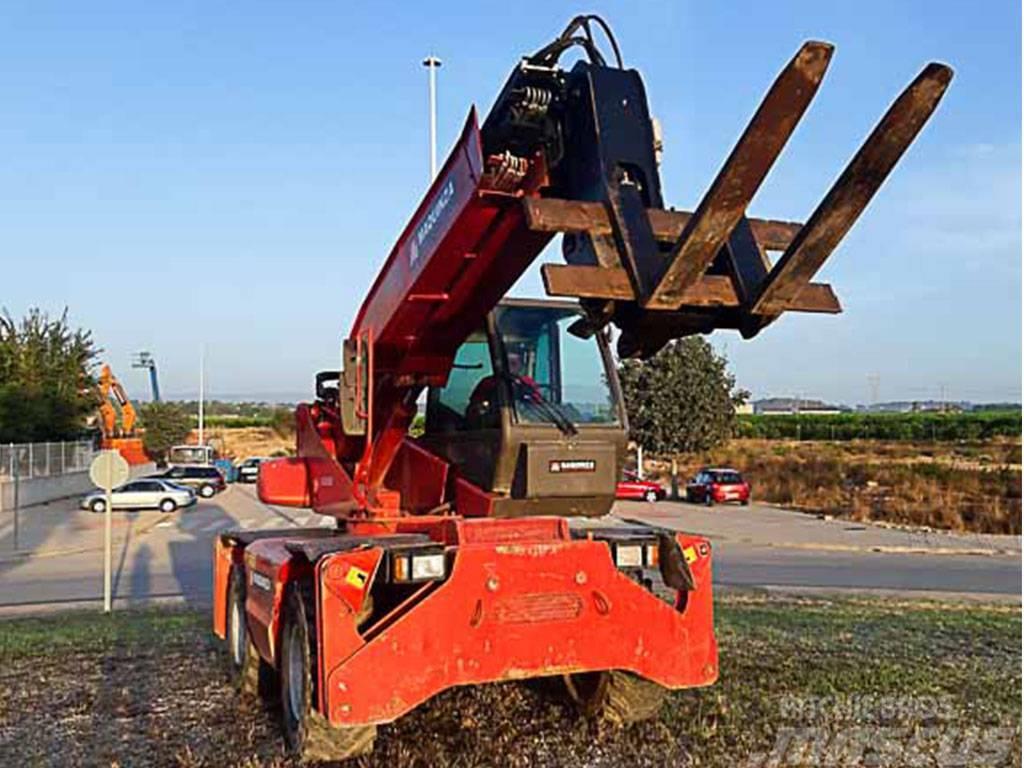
point(718, 486)
point(632, 487)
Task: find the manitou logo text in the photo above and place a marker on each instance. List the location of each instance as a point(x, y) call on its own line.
point(426, 227)
point(572, 465)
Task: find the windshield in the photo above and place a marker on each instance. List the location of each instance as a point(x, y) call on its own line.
point(554, 377)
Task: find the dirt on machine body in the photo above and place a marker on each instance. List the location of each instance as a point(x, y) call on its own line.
point(475, 552)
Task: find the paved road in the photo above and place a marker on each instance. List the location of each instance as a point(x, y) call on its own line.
point(170, 556)
point(762, 546)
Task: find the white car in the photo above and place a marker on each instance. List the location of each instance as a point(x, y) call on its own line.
point(249, 470)
point(147, 493)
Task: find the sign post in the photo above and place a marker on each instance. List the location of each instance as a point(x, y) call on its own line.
point(108, 471)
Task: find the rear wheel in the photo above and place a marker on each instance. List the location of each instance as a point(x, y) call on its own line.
point(615, 696)
point(99, 505)
point(709, 499)
point(249, 672)
point(306, 731)
point(206, 491)
point(651, 497)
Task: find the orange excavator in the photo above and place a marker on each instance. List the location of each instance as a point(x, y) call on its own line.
point(122, 439)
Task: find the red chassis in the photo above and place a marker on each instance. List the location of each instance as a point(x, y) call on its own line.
point(523, 598)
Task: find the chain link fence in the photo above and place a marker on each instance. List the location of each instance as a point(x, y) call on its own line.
point(28, 460)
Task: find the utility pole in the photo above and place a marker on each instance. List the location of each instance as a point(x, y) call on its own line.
point(432, 63)
point(202, 374)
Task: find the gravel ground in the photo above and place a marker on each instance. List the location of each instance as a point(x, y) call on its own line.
point(151, 688)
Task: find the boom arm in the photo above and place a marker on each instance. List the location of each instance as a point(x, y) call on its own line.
point(576, 151)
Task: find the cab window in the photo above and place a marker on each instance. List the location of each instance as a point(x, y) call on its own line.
point(469, 401)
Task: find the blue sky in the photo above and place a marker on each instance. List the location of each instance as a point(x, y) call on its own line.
point(237, 172)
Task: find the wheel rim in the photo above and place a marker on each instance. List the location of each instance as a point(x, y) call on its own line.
point(237, 635)
point(206, 492)
point(98, 506)
point(296, 675)
point(167, 506)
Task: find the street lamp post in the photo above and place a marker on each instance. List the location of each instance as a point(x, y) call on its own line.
point(432, 63)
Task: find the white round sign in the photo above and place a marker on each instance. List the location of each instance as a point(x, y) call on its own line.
point(108, 469)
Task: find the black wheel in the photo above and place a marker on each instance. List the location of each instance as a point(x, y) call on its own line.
point(168, 505)
point(250, 673)
point(615, 696)
point(207, 491)
point(709, 500)
point(98, 506)
point(651, 497)
point(745, 502)
point(307, 732)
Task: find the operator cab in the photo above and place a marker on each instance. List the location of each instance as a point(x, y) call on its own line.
point(531, 412)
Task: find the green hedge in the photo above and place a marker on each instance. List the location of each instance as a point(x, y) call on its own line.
point(881, 426)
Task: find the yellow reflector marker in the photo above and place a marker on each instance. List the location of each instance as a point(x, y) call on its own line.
point(356, 577)
point(690, 554)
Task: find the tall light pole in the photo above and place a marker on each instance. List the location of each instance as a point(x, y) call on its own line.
point(432, 63)
point(202, 377)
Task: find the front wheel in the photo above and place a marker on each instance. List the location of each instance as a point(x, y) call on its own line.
point(651, 497)
point(615, 696)
point(307, 732)
point(709, 500)
point(168, 506)
point(207, 491)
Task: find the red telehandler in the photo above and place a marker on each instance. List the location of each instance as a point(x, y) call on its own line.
point(481, 551)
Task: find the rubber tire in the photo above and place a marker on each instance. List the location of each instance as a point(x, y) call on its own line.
point(616, 697)
point(99, 506)
point(650, 497)
point(745, 502)
point(207, 491)
point(308, 734)
point(709, 500)
point(251, 675)
point(167, 506)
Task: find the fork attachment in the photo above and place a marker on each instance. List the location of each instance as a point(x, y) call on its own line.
point(660, 274)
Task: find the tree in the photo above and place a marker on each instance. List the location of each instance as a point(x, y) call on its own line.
point(682, 399)
point(165, 424)
point(47, 387)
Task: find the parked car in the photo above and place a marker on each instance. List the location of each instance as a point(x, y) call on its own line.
point(249, 470)
point(206, 480)
point(145, 493)
point(718, 486)
point(631, 486)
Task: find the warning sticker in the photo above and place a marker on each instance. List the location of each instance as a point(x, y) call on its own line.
point(690, 554)
point(356, 577)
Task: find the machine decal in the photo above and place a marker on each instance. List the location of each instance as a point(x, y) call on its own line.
point(572, 465)
point(356, 577)
point(426, 227)
point(260, 581)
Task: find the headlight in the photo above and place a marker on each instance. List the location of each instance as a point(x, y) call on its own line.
point(629, 556)
point(427, 566)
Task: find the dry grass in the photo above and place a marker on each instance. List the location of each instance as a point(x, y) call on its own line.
point(150, 688)
point(967, 487)
point(240, 442)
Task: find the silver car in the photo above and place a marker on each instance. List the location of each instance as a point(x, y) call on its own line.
point(147, 493)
